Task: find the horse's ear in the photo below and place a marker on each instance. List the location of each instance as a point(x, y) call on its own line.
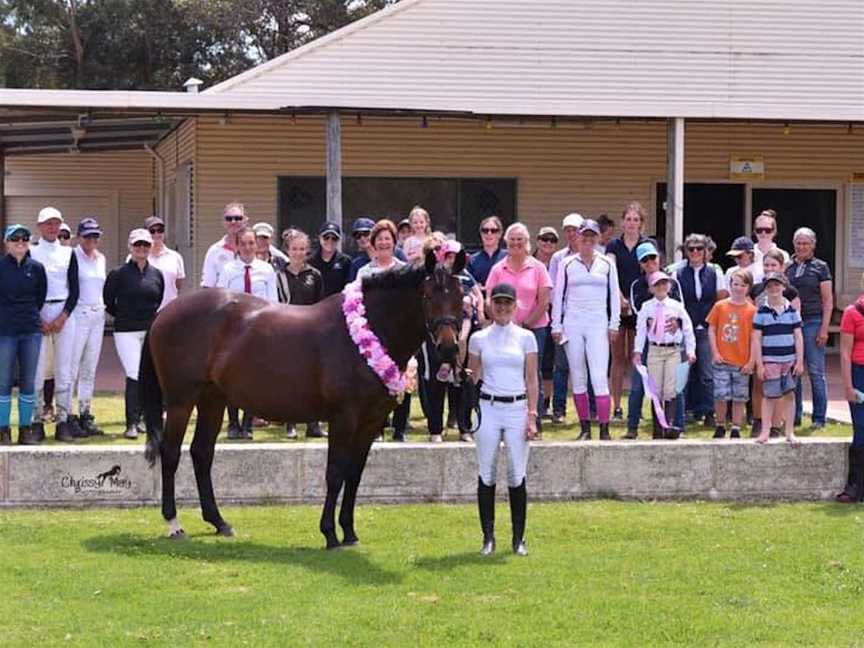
point(459, 263)
point(431, 262)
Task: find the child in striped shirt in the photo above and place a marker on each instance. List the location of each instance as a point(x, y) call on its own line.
point(778, 347)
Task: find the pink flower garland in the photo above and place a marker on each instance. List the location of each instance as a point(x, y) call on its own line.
point(367, 342)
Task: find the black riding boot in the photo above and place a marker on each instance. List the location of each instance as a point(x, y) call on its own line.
point(246, 426)
point(486, 506)
point(657, 430)
point(518, 512)
point(5, 435)
point(235, 431)
point(88, 424)
point(586, 431)
point(37, 433)
point(854, 490)
point(672, 432)
point(133, 410)
point(604, 432)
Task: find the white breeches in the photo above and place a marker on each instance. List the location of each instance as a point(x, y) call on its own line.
point(129, 345)
point(588, 349)
point(64, 346)
point(507, 421)
point(90, 327)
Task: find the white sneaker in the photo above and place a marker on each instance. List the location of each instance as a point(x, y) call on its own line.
point(131, 432)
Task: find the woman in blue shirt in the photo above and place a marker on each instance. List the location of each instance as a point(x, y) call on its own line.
point(23, 286)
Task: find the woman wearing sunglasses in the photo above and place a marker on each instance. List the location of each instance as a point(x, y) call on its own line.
point(333, 264)
point(765, 229)
point(23, 286)
point(166, 260)
point(133, 293)
point(481, 262)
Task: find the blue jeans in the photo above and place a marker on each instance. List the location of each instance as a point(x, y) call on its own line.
point(560, 376)
point(814, 358)
point(857, 409)
point(21, 353)
point(700, 388)
point(541, 335)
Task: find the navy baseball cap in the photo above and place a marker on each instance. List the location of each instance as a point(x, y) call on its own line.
point(739, 245)
point(88, 227)
point(362, 225)
point(331, 228)
point(503, 291)
point(589, 225)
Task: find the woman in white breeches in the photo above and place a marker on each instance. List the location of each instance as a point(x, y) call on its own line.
point(89, 316)
point(502, 358)
point(586, 311)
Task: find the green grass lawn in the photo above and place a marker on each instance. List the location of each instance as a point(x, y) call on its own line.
point(613, 573)
point(108, 410)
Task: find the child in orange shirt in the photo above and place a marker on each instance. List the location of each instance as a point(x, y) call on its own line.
point(730, 324)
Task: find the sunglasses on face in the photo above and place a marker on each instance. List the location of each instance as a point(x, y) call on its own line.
point(489, 230)
point(330, 237)
point(697, 248)
point(233, 219)
point(764, 230)
point(91, 236)
point(141, 244)
point(158, 229)
point(648, 257)
point(19, 238)
point(547, 239)
point(360, 235)
point(64, 236)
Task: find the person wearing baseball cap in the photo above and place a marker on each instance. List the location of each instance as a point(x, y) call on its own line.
point(505, 355)
point(133, 294)
point(743, 252)
point(89, 316)
point(622, 251)
point(586, 310)
point(65, 234)
point(333, 264)
point(360, 232)
point(23, 286)
point(58, 327)
point(169, 262)
point(268, 253)
point(664, 347)
point(223, 251)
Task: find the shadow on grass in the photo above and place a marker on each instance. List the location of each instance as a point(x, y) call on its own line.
point(454, 561)
point(831, 508)
point(349, 564)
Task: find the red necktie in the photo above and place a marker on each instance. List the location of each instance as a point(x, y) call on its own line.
point(247, 280)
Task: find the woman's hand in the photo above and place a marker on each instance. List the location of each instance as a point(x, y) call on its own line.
point(556, 337)
point(691, 358)
point(531, 427)
point(851, 395)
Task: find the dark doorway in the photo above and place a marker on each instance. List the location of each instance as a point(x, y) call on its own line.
point(813, 208)
point(713, 209)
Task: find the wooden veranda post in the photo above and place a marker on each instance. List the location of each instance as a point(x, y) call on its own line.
point(674, 233)
point(334, 168)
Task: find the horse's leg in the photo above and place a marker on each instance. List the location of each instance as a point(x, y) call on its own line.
point(211, 408)
point(337, 454)
point(177, 417)
point(352, 482)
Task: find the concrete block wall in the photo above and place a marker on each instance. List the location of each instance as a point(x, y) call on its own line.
point(418, 472)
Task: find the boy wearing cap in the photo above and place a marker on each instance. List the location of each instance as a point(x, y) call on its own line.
point(61, 268)
point(778, 347)
point(333, 264)
point(730, 326)
point(743, 253)
point(665, 347)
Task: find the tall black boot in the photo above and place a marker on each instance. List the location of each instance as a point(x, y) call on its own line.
point(246, 425)
point(586, 431)
point(133, 410)
point(672, 432)
point(657, 430)
point(486, 506)
point(234, 429)
point(518, 513)
point(47, 399)
point(604, 432)
point(854, 490)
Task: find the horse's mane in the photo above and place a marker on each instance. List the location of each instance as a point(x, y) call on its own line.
point(404, 277)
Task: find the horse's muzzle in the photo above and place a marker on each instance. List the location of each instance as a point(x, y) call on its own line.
point(448, 352)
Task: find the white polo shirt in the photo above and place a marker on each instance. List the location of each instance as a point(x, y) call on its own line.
point(502, 351)
point(217, 256)
point(263, 277)
point(91, 278)
point(170, 264)
point(56, 259)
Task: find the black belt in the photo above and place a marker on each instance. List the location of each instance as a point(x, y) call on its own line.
point(503, 399)
point(54, 301)
point(664, 344)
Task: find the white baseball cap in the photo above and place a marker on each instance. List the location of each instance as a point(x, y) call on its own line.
point(573, 220)
point(140, 234)
point(263, 229)
point(49, 213)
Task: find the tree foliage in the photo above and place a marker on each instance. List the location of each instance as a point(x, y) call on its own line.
point(156, 44)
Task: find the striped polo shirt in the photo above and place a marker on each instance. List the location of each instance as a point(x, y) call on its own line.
point(778, 332)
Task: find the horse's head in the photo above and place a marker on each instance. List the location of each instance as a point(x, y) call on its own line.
point(442, 304)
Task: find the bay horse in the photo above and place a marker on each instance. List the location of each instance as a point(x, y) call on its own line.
point(286, 363)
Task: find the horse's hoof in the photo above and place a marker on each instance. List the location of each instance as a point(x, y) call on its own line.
point(226, 531)
point(351, 542)
point(179, 534)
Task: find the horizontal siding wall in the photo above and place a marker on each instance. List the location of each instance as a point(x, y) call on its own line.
point(126, 178)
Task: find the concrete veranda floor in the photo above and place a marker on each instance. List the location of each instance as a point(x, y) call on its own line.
point(109, 377)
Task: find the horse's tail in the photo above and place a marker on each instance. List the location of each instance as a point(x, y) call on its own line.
point(150, 394)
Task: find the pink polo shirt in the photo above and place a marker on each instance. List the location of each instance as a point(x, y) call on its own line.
point(528, 281)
